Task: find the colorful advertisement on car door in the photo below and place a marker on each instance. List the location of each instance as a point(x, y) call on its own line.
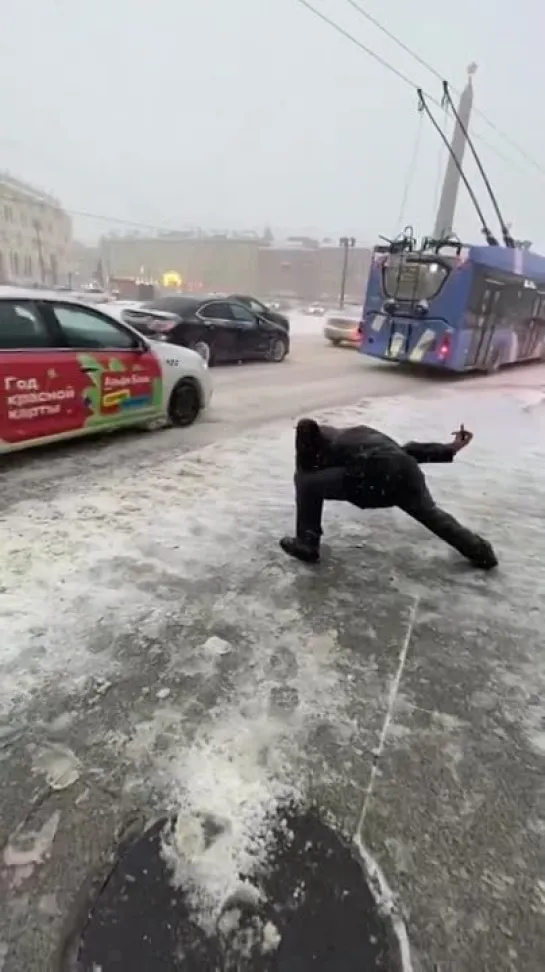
point(52, 393)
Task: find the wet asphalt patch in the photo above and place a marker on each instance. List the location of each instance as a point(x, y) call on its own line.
point(314, 913)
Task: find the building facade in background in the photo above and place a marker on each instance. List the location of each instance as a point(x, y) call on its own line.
point(301, 268)
point(207, 263)
point(311, 271)
point(85, 259)
point(35, 236)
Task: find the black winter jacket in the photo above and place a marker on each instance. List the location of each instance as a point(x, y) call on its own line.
point(358, 444)
point(378, 472)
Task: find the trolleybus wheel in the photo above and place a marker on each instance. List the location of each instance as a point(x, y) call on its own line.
point(494, 364)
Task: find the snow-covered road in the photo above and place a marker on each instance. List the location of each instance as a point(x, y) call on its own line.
point(157, 652)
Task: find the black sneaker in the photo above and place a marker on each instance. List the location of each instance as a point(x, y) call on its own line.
point(484, 557)
point(305, 550)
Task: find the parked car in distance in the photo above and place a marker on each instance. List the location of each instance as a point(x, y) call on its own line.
point(314, 310)
point(266, 311)
point(343, 328)
point(282, 304)
point(69, 369)
point(220, 329)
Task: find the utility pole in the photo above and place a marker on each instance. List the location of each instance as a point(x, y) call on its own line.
point(444, 220)
point(39, 246)
point(347, 243)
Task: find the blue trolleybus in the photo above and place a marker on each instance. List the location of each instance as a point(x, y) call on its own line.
point(455, 307)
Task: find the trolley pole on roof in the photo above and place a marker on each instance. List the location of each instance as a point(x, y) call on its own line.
point(347, 242)
point(444, 220)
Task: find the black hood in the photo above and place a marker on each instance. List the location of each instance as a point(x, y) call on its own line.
point(277, 318)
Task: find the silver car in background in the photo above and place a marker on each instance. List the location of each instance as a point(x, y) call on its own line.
point(342, 327)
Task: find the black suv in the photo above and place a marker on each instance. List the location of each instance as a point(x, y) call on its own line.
point(262, 310)
point(219, 328)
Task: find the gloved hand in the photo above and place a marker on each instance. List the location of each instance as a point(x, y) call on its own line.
point(462, 438)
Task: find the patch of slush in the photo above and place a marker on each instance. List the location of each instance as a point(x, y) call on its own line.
point(228, 788)
point(26, 849)
point(58, 765)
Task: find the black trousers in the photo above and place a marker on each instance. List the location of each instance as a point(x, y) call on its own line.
point(409, 493)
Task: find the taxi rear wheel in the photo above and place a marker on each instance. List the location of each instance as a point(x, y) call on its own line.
point(185, 403)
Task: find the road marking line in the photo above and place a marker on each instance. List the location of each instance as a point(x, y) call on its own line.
point(384, 896)
point(392, 698)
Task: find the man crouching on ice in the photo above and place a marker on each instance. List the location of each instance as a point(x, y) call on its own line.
point(362, 466)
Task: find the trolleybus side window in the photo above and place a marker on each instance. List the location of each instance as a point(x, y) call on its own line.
point(486, 295)
point(484, 321)
point(476, 297)
point(539, 309)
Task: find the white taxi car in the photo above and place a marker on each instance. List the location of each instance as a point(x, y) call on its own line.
point(70, 369)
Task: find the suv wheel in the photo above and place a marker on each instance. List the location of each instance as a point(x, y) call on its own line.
point(278, 351)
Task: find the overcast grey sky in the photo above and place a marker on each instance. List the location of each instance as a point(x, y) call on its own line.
point(246, 112)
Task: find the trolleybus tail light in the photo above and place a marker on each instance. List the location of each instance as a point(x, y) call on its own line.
point(444, 348)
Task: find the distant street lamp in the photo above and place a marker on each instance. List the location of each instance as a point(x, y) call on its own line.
point(347, 243)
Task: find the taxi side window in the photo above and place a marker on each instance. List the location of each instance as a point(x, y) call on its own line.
point(21, 328)
point(82, 328)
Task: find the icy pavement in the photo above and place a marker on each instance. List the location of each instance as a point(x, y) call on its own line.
point(304, 325)
point(159, 654)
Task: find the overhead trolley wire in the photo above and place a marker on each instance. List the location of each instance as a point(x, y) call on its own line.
point(393, 70)
point(429, 67)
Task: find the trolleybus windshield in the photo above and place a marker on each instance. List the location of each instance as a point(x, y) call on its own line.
point(409, 278)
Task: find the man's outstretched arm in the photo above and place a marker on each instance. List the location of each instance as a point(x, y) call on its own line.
point(430, 451)
point(439, 451)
